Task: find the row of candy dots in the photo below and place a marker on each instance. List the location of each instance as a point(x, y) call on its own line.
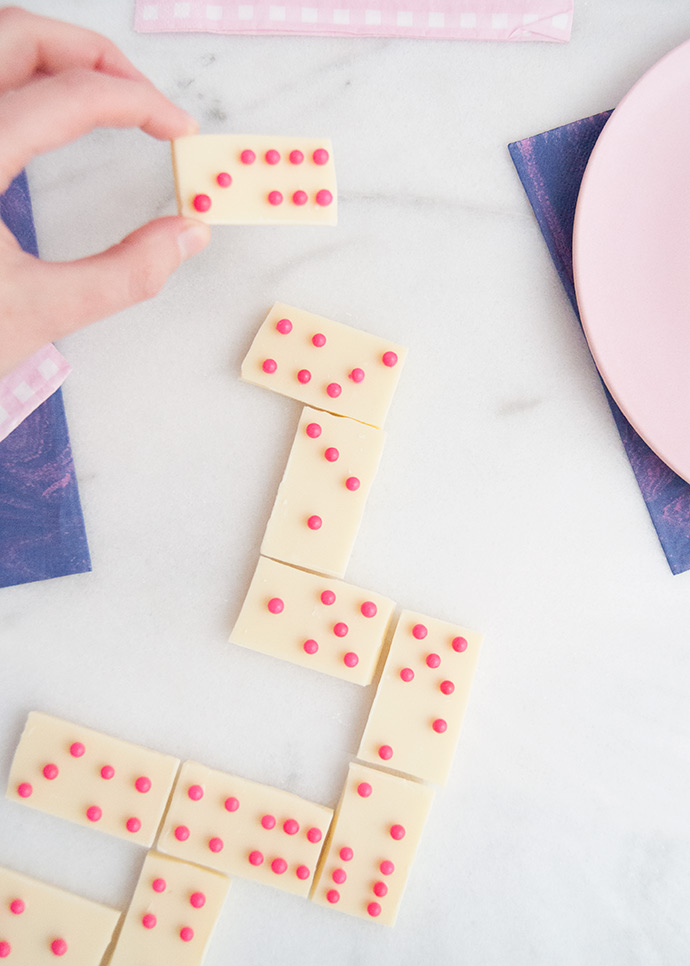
point(320, 156)
point(323, 198)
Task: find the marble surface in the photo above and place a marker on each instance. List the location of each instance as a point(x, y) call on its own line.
point(504, 501)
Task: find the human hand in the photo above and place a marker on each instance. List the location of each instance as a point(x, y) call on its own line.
point(58, 82)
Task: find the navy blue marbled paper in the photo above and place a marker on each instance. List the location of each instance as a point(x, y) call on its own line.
point(41, 523)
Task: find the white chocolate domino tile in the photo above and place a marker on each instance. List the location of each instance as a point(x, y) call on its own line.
point(228, 179)
point(243, 828)
point(172, 914)
point(415, 720)
point(373, 841)
point(321, 498)
point(91, 778)
point(40, 924)
point(317, 622)
point(325, 364)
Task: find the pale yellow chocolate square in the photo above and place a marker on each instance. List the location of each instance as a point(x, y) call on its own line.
point(415, 720)
point(90, 778)
point(372, 845)
point(41, 925)
point(321, 498)
point(325, 364)
point(244, 828)
point(289, 191)
point(172, 914)
point(317, 622)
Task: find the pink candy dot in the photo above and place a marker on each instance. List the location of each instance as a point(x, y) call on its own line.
point(340, 629)
point(419, 632)
point(201, 203)
point(364, 789)
point(319, 340)
point(324, 198)
point(310, 646)
point(17, 907)
point(5, 949)
point(58, 947)
point(269, 366)
point(224, 179)
point(272, 157)
point(275, 605)
point(433, 660)
point(314, 522)
point(159, 885)
point(331, 454)
point(231, 804)
point(77, 749)
point(149, 921)
point(284, 326)
point(186, 934)
point(374, 909)
point(334, 390)
point(407, 674)
point(346, 853)
point(446, 687)
point(50, 772)
point(268, 822)
point(300, 198)
point(275, 198)
point(215, 844)
point(385, 752)
point(25, 790)
point(352, 483)
point(195, 792)
point(313, 430)
point(350, 659)
point(198, 900)
point(133, 825)
point(314, 835)
point(333, 896)
point(439, 726)
point(247, 157)
point(459, 644)
point(387, 867)
point(291, 826)
point(328, 597)
point(181, 833)
point(320, 156)
point(256, 857)
point(107, 772)
point(302, 872)
point(304, 376)
point(357, 375)
point(296, 157)
point(278, 866)
point(369, 608)
point(143, 784)
point(339, 876)
point(389, 359)
point(380, 889)
point(94, 813)
point(397, 832)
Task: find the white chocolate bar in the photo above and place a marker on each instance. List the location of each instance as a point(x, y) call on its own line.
point(244, 828)
point(90, 778)
point(420, 701)
point(372, 845)
point(39, 924)
point(318, 622)
point(321, 498)
point(325, 364)
point(232, 179)
point(172, 914)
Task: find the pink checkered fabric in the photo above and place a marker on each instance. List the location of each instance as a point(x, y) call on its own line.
point(28, 386)
point(436, 19)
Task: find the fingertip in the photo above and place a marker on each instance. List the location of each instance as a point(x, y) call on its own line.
point(193, 238)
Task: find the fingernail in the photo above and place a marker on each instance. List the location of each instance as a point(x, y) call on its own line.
point(193, 239)
point(192, 124)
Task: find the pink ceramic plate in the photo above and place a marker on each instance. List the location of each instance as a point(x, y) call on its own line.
point(631, 251)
